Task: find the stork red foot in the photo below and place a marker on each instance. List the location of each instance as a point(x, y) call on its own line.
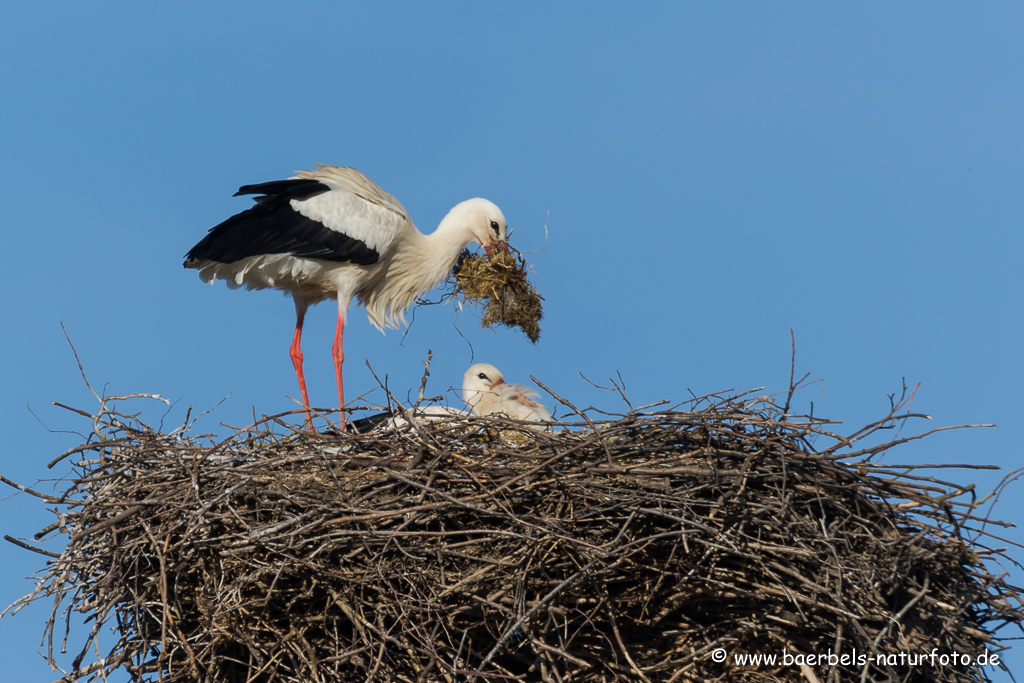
point(338, 353)
point(296, 353)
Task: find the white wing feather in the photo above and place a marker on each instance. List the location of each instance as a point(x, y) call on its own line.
point(355, 206)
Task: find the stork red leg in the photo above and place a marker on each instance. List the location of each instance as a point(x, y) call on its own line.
point(338, 352)
point(296, 353)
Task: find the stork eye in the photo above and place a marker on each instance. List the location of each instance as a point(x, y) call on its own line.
point(482, 376)
point(494, 227)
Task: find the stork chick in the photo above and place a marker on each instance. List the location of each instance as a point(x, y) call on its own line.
point(485, 392)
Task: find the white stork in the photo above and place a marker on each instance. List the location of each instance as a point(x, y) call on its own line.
point(485, 392)
point(332, 233)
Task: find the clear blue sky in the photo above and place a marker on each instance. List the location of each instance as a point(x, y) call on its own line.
point(716, 174)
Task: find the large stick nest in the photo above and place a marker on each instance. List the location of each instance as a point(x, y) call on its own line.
point(629, 549)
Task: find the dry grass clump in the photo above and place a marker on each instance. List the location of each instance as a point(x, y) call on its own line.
point(628, 549)
point(499, 281)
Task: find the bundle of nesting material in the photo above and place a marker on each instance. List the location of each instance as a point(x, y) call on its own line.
point(499, 281)
point(639, 548)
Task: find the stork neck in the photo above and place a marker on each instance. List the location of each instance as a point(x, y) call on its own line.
point(419, 263)
point(438, 251)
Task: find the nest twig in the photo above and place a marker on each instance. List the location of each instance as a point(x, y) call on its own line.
point(629, 549)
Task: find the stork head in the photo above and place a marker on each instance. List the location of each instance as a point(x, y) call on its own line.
point(478, 382)
point(484, 222)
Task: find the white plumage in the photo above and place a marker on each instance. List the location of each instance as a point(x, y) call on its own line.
point(486, 393)
point(332, 233)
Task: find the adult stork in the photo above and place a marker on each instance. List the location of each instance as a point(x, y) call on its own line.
point(332, 233)
point(486, 392)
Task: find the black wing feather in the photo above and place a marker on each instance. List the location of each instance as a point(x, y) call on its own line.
point(272, 226)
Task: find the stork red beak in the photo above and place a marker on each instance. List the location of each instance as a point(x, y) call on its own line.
point(499, 246)
point(500, 381)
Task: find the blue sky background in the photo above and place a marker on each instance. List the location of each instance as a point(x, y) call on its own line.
point(712, 175)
